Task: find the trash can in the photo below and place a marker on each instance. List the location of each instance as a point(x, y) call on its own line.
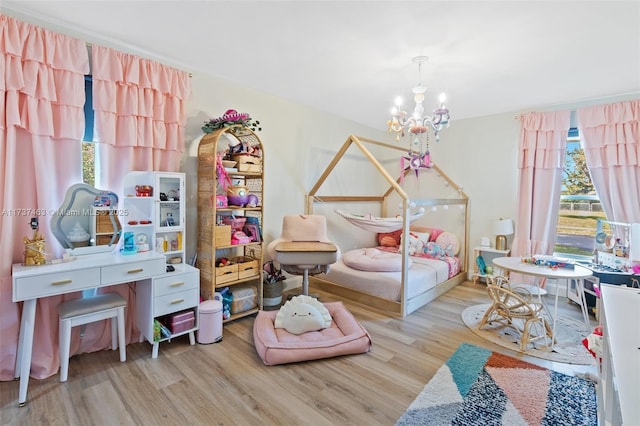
point(210, 329)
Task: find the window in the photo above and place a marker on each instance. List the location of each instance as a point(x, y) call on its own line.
point(88, 147)
point(580, 206)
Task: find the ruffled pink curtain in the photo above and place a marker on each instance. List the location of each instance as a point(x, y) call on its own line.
point(140, 114)
point(139, 124)
point(41, 128)
point(543, 140)
point(611, 140)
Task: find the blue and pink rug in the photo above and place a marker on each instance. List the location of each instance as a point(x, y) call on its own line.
point(480, 387)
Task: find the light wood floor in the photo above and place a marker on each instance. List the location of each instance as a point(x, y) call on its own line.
point(227, 383)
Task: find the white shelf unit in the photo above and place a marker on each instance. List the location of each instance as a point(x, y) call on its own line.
point(488, 254)
point(157, 223)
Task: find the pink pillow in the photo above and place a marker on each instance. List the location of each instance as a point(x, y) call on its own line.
point(373, 260)
point(449, 243)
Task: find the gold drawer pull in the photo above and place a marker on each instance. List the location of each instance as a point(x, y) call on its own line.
point(177, 284)
point(61, 282)
point(177, 301)
point(135, 271)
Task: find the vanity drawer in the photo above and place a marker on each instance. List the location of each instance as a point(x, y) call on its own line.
point(176, 281)
point(132, 271)
point(56, 283)
point(175, 302)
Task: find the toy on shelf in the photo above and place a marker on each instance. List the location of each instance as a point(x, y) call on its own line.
point(34, 247)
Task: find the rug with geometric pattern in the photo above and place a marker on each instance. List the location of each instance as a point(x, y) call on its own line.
point(479, 387)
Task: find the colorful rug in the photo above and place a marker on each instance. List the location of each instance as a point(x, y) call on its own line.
point(480, 387)
point(569, 334)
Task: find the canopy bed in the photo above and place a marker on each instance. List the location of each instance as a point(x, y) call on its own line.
point(393, 274)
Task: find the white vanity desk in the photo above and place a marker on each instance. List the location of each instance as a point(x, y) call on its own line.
point(84, 273)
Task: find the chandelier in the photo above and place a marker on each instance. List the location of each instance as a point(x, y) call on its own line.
point(418, 124)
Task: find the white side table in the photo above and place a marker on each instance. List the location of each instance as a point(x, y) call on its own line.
point(487, 254)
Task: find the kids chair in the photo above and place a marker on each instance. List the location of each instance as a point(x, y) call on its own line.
point(84, 311)
point(514, 307)
point(304, 248)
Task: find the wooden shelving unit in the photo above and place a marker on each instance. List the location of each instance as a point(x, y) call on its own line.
point(213, 238)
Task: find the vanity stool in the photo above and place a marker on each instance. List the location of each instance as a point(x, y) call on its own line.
point(84, 311)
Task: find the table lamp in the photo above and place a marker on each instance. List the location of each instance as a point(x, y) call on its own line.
point(502, 228)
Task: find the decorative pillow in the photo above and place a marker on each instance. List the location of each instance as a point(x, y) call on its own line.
point(390, 239)
point(415, 244)
point(301, 314)
point(373, 260)
point(449, 243)
point(434, 233)
point(422, 236)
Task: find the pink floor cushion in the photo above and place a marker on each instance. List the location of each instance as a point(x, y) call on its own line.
point(345, 336)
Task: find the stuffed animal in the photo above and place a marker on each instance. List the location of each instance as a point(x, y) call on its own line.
point(416, 245)
point(433, 250)
point(302, 314)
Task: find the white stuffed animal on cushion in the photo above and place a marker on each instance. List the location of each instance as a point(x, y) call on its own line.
point(301, 314)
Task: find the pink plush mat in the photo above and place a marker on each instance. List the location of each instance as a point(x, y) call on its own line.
point(277, 346)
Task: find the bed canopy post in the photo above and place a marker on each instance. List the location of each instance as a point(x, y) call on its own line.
point(404, 289)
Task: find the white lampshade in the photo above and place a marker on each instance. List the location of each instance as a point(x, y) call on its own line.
point(503, 227)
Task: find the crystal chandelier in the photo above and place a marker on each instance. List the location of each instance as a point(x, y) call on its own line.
point(418, 124)
point(418, 155)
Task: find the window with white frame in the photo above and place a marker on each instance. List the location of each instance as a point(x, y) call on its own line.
point(580, 206)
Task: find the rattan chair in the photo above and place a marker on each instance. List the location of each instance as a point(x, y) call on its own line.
point(509, 304)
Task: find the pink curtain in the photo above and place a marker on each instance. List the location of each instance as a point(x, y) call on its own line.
point(611, 140)
point(139, 124)
point(543, 139)
point(41, 126)
point(140, 114)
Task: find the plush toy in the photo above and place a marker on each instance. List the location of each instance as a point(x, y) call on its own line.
point(416, 245)
point(433, 250)
point(593, 342)
point(302, 314)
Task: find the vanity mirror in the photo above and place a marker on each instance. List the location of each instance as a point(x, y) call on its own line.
point(87, 221)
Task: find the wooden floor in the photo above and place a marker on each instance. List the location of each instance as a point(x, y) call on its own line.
point(227, 383)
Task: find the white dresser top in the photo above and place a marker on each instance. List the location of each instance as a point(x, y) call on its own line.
point(83, 262)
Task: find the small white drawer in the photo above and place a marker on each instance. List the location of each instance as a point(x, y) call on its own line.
point(175, 302)
point(132, 271)
point(174, 282)
point(56, 283)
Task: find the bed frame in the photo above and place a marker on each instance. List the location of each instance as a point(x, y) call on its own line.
point(395, 191)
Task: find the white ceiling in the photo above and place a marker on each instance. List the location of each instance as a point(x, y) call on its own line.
point(352, 58)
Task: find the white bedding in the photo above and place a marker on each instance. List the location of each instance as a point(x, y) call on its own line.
point(423, 275)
